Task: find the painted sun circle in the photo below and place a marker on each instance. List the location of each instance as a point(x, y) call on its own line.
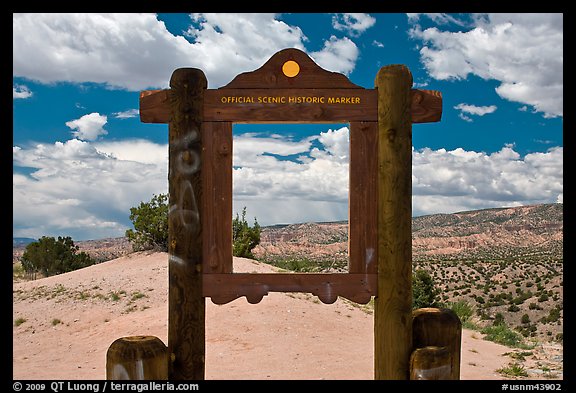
point(290, 68)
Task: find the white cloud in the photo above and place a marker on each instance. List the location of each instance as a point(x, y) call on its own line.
point(137, 52)
point(276, 190)
point(440, 18)
point(354, 24)
point(337, 55)
point(377, 44)
point(89, 127)
point(449, 181)
point(126, 114)
point(20, 92)
point(84, 190)
point(321, 176)
point(524, 52)
point(476, 110)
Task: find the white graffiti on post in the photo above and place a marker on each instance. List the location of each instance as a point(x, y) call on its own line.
point(187, 163)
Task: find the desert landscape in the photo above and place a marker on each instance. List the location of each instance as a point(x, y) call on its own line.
point(64, 324)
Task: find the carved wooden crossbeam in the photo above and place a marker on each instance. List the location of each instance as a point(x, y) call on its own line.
point(155, 106)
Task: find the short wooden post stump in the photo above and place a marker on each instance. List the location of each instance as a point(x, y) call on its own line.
point(437, 330)
point(137, 358)
point(431, 363)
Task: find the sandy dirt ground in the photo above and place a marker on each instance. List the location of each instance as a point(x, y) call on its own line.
point(64, 325)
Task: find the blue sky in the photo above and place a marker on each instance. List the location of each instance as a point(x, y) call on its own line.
point(82, 158)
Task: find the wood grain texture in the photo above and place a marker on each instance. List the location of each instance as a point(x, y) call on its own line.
point(439, 327)
point(426, 106)
point(223, 288)
point(299, 105)
point(270, 75)
point(137, 358)
point(186, 308)
point(217, 193)
point(155, 106)
point(393, 304)
point(430, 363)
point(363, 198)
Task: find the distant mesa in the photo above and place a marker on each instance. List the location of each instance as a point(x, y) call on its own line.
point(22, 241)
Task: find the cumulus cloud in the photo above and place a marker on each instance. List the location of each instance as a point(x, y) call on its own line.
point(476, 110)
point(20, 92)
point(449, 181)
point(354, 24)
point(89, 127)
point(126, 114)
point(443, 181)
point(137, 52)
point(338, 55)
point(524, 52)
point(439, 18)
point(319, 173)
point(84, 189)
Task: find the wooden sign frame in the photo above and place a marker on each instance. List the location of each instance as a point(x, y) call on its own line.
point(290, 88)
point(268, 95)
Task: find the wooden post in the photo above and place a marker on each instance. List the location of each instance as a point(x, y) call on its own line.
point(439, 327)
point(186, 308)
point(430, 363)
point(393, 304)
point(137, 358)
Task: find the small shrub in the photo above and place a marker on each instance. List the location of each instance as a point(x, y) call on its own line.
point(513, 370)
point(498, 319)
point(19, 321)
point(425, 293)
point(525, 319)
point(502, 334)
point(50, 256)
point(464, 311)
point(543, 298)
point(150, 220)
point(137, 295)
point(56, 321)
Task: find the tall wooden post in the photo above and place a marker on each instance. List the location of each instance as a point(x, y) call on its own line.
point(393, 304)
point(186, 309)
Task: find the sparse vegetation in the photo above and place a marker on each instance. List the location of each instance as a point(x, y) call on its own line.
point(137, 295)
point(424, 291)
point(513, 370)
point(150, 220)
point(244, 236)
point(50, 256)
point(300, 265)
point(19, 321)
point(465, 312)
point(502, 334)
